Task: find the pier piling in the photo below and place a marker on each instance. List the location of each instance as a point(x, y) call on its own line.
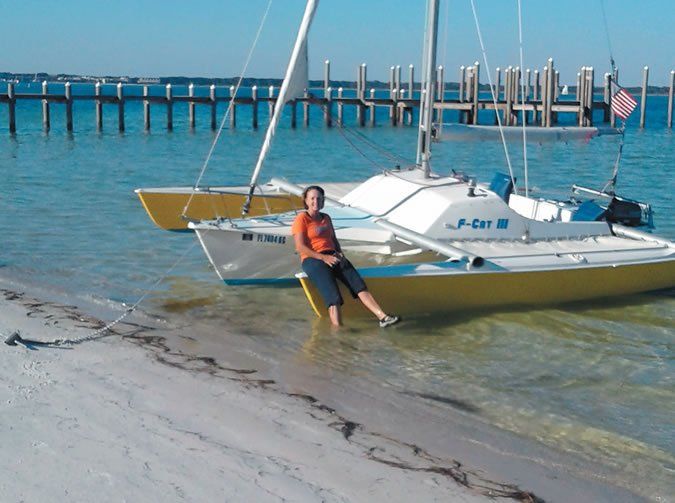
point(536, 94)
point(508, 97)
point(45, 106)
point(392, 84)
point(69, 107)
point(326, 76)
point(397, 88)
point(549, 92)
point(528, 85)
point(498, 83)
point(212, 97)
point(328, 95)
point(11, 105)
point(440, 94)
point(169, 108)
point(328, 110)
point(589, 100)
point(670, 99)
point(643, 100)
point(191, 106)
point(361, 95)
point(254, 107)
point(515, 90)
point(120, 106)
point(233, 109)
point(270, 103)
point(146, 108)
point(98, 104)
point(340, 107)
point(294, 114)
point(476, 84)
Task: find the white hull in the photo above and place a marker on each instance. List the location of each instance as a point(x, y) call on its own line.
point(247, 258)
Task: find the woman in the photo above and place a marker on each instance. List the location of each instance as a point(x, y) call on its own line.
point(323, 260)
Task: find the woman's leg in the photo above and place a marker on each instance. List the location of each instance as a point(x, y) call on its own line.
point(323, 278)
point(353, 280)
point(369, 301)
point(335, 315)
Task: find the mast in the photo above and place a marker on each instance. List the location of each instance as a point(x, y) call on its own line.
point(428, 87)
point(292, 87)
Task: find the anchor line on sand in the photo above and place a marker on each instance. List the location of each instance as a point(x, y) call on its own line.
point(106, 330)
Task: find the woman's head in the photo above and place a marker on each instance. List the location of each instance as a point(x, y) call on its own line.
point(311, 194)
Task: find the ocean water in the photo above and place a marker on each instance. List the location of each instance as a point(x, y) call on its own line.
point(594, 380)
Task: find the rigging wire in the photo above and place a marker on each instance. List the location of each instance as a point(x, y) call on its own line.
point(492, 91)
point(443, 60)
point(522, 94)
point(229, 108)
point(372, 144)
point(610, 186)
point(609, 42)
point(358, 136)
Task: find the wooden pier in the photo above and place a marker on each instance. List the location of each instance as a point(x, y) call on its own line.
point(542, 104)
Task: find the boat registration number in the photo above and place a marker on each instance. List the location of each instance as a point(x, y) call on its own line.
point(264, 238)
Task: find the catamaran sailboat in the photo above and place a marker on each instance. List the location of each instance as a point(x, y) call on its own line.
point(427, 242)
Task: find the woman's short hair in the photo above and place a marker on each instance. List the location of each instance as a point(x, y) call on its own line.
point(306, 191)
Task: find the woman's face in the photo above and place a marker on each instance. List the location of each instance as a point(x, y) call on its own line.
point(314, 200)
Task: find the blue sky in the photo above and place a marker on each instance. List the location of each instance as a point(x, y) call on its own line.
point(212, 37)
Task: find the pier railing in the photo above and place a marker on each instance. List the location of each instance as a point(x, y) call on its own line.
point(542, 104)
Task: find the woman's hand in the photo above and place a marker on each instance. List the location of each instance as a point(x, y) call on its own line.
point(330, 260)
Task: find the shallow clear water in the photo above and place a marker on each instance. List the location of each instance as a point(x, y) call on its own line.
point(594, 379)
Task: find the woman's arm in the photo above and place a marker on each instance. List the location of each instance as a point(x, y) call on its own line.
point(303, 248)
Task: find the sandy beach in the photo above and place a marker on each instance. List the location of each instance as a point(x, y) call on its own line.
point(127, 417)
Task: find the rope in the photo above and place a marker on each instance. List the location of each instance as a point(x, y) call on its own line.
point(229, 108)
point(101, 332)
point(522, 93)
point(492, 91)
point(610, 186)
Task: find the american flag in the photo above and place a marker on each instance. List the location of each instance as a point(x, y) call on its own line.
point(622, 103)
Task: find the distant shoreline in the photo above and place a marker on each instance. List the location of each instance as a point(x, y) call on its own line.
point(246, 82)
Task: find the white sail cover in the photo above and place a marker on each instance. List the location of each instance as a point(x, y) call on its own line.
point(294, 85)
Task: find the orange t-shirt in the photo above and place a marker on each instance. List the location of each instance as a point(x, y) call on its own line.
point(319, 234)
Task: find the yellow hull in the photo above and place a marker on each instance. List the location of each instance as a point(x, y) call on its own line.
point(417, 295)
point(165, 208)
